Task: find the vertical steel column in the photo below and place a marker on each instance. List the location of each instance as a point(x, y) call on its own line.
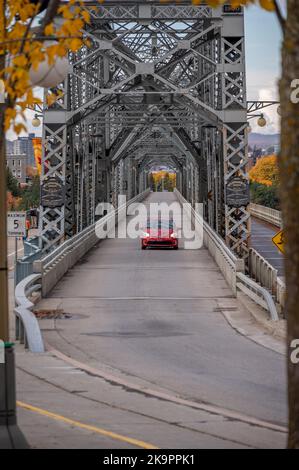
point(53, 172)
point(235, 151)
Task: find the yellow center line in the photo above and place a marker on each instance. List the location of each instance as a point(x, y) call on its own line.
point(88, 427)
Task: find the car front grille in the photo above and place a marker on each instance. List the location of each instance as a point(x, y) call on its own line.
point(161, 242)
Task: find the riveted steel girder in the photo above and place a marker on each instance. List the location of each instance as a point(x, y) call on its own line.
point(154, 70)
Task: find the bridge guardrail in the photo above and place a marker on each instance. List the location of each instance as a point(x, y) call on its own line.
point(54, 265)
point(267, 214)
point(27, 327)
point(266, 275)
point(259, 294)
point(228, 263)
point(281, 292)
point(233, 268)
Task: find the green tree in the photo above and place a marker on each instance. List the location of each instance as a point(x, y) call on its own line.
point(12, 184)
point(31, 195)
point(265, 195)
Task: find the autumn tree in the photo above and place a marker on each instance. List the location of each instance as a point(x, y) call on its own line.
point(22, 46)
point(29, 36)
point(265, 171)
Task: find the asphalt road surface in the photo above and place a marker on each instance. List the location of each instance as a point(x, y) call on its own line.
point(261, 239)
point(155, 317)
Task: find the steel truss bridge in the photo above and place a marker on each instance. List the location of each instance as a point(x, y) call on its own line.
point(158, 84)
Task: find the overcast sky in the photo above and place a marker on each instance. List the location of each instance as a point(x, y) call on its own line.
point(263, 42)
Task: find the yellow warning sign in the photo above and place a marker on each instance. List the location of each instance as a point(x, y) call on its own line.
point(278, 241)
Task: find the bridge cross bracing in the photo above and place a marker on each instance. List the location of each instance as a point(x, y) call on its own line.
point(158, 84)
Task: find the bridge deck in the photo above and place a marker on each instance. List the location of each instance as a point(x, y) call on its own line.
point(156, 318)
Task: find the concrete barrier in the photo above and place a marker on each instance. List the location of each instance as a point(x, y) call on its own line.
point(56, 264)
point(272, 216)
point(265, 274)
point(227, 261)
point(232, 267)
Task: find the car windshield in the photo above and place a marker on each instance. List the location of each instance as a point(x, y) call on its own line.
point(160, 224)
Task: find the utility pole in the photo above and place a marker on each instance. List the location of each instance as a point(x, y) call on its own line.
point(4, 330)
point(3, 235)
point(7, 370)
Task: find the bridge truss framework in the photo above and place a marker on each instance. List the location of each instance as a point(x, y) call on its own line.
point(159, 84)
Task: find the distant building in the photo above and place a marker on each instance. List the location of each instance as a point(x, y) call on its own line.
point(276, 148)
point(255, 155)
point(9, 146)
point(23, 145)
point(17, 165)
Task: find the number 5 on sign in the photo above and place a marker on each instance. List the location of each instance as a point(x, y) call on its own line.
point(278, 241)
point(16, 224)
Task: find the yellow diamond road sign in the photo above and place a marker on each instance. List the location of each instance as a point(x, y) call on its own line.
point(278, 241)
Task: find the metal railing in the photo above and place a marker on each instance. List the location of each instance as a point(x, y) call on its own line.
point(54, 265)
point(262, 271)
point(27, 327)
point(266, 275)
point(281, 292)
point(258, 294)
point(227, 261)
point(267, 214)
point(233, 268)
point(24, 265)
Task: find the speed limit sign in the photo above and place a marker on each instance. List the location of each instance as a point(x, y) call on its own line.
point(16, 224)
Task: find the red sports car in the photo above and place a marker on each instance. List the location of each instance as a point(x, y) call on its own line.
point(160, 234)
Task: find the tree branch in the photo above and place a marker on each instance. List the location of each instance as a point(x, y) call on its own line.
point(279, 15)
point(49, 16)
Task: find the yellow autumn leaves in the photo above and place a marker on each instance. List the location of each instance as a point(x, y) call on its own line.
point(265, 171)
point(23, 46)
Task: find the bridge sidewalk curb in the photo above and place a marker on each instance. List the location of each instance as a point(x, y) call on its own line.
point(253, 323)
point(275, 328)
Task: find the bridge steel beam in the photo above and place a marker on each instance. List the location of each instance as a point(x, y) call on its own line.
point(152, 68)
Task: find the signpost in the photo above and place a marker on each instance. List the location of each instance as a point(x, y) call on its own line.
point(278, 241)
point(16, 224)
point(52, 192)
point(237, 192)
point(16, 227)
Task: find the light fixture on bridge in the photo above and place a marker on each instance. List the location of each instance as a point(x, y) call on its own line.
point(36, 122)
point(49, 75)
point(262, 121)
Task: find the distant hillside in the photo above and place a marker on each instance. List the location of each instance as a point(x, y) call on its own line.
point(263, 140)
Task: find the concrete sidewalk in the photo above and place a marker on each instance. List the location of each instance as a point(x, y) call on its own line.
point(154, 351)
point(11, 437)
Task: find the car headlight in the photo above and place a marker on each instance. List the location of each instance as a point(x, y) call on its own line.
point(174, 235)
point(145, 235)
